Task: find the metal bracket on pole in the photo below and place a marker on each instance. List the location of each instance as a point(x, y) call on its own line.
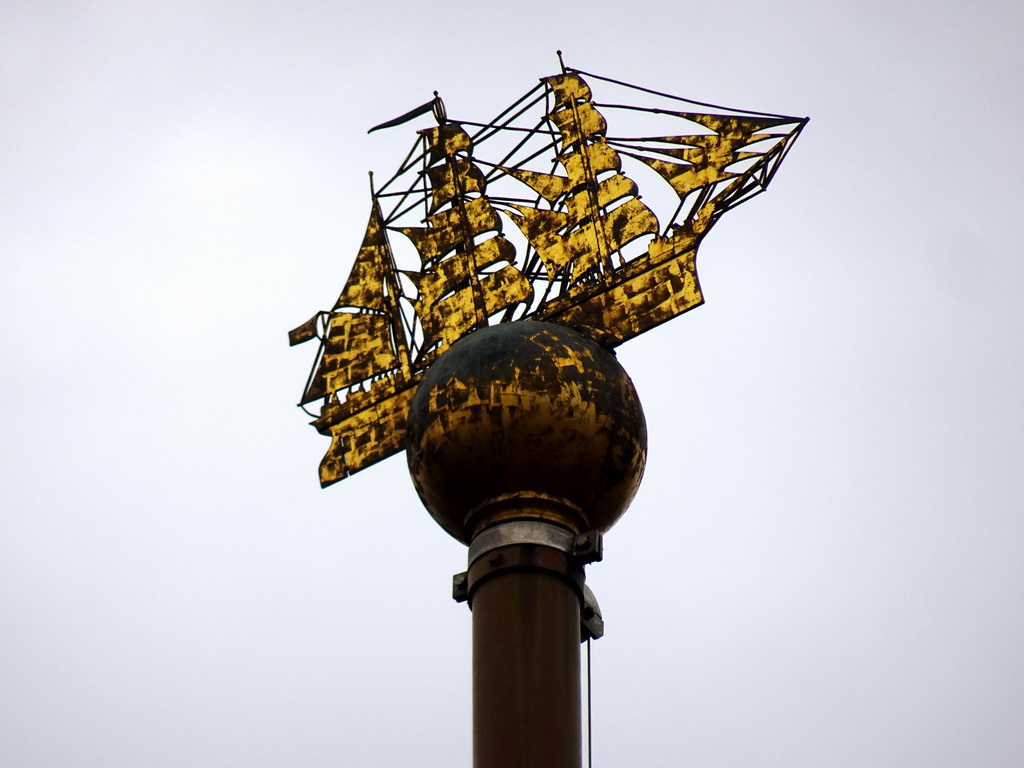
point(588, 548)
point(591, 621)
point(580, 549)
point(460, 587)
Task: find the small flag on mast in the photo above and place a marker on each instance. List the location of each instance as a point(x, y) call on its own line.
point(435, 105)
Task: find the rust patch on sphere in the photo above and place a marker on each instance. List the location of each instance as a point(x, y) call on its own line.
point(526, 419)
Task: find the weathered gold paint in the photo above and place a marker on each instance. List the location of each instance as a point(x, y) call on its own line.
point(568, 87)
point(637, 304)
point(470, 276)
point(451, 180)
point(547, 185)
point(578, 122)
point(527, 410)
point(364, 343)
point(457, 272)
point(615, 187)
point(446, 141)
point(304, 332)
point(452, 228)
point(589, 160)
point(365, 436)
point(365, 286)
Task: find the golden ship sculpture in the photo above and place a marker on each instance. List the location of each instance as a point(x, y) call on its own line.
point(548, 172)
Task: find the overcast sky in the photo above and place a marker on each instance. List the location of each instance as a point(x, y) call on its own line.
point(824, 564)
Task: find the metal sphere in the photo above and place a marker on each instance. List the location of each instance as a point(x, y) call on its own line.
point(526, 420)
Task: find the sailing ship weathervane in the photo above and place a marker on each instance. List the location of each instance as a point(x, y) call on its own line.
point(596, 257)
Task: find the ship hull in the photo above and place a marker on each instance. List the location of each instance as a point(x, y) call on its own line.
point(648, 296)
point(365, 436)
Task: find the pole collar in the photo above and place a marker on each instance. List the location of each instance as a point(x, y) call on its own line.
point(562, 551)
point(521, 532)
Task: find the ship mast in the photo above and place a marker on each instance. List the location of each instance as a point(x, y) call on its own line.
point(577, 236)
point(466, 275)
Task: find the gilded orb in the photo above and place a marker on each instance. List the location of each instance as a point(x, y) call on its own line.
point(526, 420)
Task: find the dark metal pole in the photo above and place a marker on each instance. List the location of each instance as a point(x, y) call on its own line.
point(526, 668)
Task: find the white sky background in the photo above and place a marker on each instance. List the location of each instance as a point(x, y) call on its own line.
point(824, 564)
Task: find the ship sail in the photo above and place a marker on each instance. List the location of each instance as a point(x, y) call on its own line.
point(588, 230)
point(722, 167)
point(363, 372)
point(468, 271)
point(362, 339)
